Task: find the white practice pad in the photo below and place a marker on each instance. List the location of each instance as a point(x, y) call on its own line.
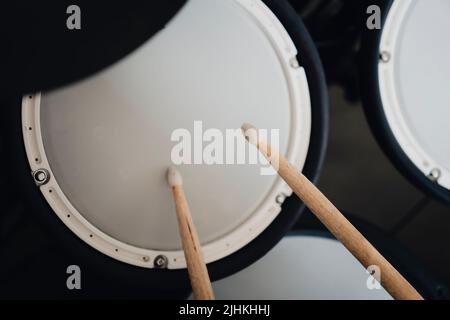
point(302, 267)
point(106, 141)
point(414, 78)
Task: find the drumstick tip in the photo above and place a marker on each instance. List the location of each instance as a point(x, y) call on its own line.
point(174, 177)
point(250, 133)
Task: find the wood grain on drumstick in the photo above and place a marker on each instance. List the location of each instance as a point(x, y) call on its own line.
point(198, 273)
point(334, 220)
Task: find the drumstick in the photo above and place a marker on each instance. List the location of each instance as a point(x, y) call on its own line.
point(198, 273)
point(334, 220)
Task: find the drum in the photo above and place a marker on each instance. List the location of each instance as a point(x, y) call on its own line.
point(310, 264)
point(405, 72)
point(302, 267)
point(99, 149)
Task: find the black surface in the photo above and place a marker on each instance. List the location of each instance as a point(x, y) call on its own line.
point(39, 52)
point(46, 246)
point(336, 28)
point(373, 107)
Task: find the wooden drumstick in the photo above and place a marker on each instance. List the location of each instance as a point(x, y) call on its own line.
point(198, 273)
point(334, 220)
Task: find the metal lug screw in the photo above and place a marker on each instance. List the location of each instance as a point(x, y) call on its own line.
point(435, 174)
point(294, 63)
point(161, 262)
point(280, 198)
point(41, 177)
point(385, 56)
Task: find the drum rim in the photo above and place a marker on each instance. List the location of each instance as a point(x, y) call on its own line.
point(254, 250)
point(376, 116)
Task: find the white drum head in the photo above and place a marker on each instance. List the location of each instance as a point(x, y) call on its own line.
point(414, 75)
point(302, 267)
point(106, 141)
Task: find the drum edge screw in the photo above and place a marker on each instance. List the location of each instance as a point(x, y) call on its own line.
point(434, 175)
point(385, 56)
point(41, 177)
point(294, 63)
point(280, 198)
point(161, 262)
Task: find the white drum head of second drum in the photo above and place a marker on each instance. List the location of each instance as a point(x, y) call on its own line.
point(414, 78)
point(303, 267)
point(106, 141)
